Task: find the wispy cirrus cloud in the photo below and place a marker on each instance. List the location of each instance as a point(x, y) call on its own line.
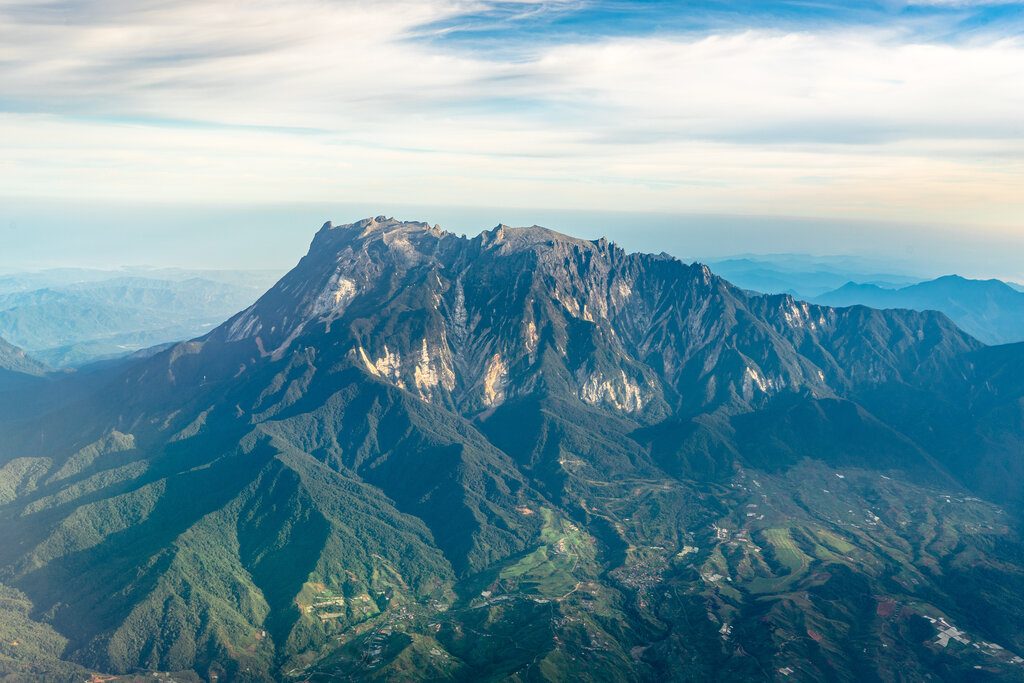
point(823, 113)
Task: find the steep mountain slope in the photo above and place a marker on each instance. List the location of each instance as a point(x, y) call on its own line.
point(15, 360)
point(523, 456)
point(18, 371)
point(990, 310)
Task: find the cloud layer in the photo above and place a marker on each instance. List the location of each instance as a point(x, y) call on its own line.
point(349, 101)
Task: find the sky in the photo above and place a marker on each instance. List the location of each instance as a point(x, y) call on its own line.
point(222, 133)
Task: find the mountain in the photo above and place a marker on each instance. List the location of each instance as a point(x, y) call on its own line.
point(521, 456)
point(990, 310)
point(13, 359)
point(804, 276)
point(19, 373)
point(77, 322)
point(58, 278)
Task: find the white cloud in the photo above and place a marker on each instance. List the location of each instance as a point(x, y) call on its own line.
point(328, 100)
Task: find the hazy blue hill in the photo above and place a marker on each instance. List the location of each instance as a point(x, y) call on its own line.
point(990, 310)
point(522, 456)
point(57, 278)
point(94, 318)
point(803, 276)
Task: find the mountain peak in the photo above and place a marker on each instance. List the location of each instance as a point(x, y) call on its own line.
point(407, 237)
point(386, 223)
point(509, 238)
point(378, 224)
point(334, 239)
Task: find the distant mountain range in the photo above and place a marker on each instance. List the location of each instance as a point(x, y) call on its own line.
point(70, 317)
point(521, 456)
point(990, 310)
point(26, 281)
point(804, 276)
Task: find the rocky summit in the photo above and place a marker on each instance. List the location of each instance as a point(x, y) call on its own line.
point(513, 457)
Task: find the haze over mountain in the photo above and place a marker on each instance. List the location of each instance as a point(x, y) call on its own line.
point(13, 281)
point(521, 456)
point(990, 310)
point(72, 316)
point(805, 276)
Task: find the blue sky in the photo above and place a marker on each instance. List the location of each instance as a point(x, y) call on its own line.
point(887, 113)
point(559, 21)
